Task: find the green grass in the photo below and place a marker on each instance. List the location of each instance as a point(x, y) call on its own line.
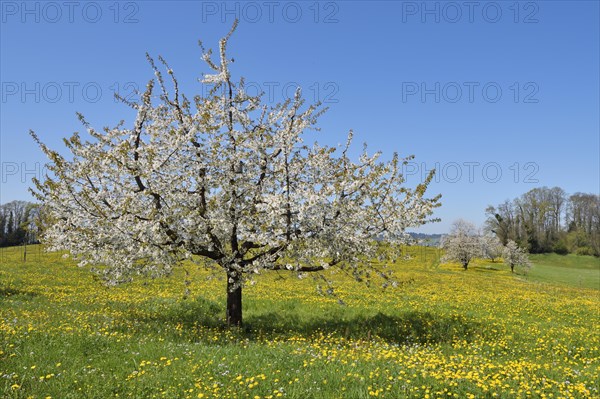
point(578, 271)
point(442, 333)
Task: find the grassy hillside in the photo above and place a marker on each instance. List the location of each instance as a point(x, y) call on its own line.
point(579, 271)
point(442, 333)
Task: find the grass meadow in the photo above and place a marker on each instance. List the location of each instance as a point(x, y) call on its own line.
point(442, 333)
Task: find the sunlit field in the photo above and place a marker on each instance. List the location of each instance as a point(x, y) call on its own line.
point(442, 333)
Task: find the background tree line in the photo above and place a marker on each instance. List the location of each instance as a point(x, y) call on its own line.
point(19, 223)
point(548, 220)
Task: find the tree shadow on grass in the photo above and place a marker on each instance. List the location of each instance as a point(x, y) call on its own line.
point(486, 268)
point(190, 313)
point(8, 292)
point(403, 328)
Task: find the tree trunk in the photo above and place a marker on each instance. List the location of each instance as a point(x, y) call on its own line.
point(234, 301)
point(512, 268)
point(465, 265)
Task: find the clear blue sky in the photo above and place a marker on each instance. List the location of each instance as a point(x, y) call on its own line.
point(476, 88)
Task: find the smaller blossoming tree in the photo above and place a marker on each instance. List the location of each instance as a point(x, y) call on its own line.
point(491, 246)
point(514, 255)
point(462, 244)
